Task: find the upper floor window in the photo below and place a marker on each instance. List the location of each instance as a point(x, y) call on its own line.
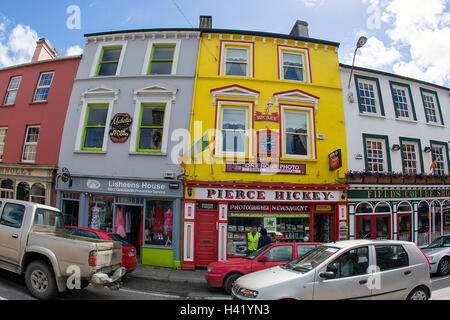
point(237, 59)
point(11, 93)
point(151, 128)
point(369, 95)
point(109, 61)
point(30, 145)
point(161, 61)
point(403, 103)
point(293, 64)
point(431, 106)
point(376, 152)
point(2, 141)
point(95, 126)
point(410, 156)
point(43, 87)
point(439, 155)
point(234, 131)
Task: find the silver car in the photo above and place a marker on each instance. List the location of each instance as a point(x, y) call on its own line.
point(352, 269)
point(438, 252)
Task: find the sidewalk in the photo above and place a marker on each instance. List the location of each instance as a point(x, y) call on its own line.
point(441, 294)
point(168, 274)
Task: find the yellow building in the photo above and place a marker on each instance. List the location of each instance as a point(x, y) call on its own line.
point(270, 107)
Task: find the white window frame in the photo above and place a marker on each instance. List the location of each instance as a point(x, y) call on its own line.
point(376, 95)
point(311, 151)
point(43, 87)
point(408, 103)
point(176, 55)
point(384, 154)
point(248, 107)
point(237, 45)
point(2, 143)
point(305, 57)
point(405, 159)
point(9, 90)
point(30, 144)
point(98, 54)
point(443, 161)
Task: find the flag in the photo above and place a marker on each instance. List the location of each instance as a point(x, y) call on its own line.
point(433, 164)
point(198, 147)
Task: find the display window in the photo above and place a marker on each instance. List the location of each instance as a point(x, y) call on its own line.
point(423, 221)
point(446, 216)
point(159, 223)
point(101, 213)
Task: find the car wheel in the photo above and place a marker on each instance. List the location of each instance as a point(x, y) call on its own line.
point(444, 266)
point(229, 281)
point(40, 280)
point(419, 293)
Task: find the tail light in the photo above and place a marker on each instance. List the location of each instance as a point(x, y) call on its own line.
point(93, 258)
point(429, 264)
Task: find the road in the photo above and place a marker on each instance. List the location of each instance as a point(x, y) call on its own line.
point(12, 287)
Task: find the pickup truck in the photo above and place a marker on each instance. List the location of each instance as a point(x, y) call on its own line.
point(33, 242)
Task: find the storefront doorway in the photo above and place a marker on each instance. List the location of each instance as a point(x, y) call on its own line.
point(404, 221)
point(373, 227)
point(323, 227)
point(132, 218)
point(207, 241)
point(70, 211)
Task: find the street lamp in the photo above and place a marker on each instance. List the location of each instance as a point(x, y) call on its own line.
point(361, 42)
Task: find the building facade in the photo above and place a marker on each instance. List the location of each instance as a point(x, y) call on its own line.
point(268, 142)
point(33, 109)
point(398, 135)
point(132, 91)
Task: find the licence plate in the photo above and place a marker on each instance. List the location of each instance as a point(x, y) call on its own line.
point(131, 254)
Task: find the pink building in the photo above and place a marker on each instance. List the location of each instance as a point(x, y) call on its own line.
point(34, 100)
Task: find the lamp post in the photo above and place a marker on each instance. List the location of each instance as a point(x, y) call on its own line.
point(269, 105)
point(361, 42)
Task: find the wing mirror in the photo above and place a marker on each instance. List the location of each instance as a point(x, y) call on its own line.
point(263, 259)
point(327, 275)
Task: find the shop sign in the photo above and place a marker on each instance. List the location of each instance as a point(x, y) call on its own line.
point(270, 224)
point(15, 171)
point(324, 207)
point(268, 168)
point(251, 207)
point(335, 159)
point(274, 117)
point(254, 195)
point(399, 194)
point(268, 215)
point(120, 128)
point(207, 205)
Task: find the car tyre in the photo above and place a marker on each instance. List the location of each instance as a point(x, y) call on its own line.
point(40, 280)
point(419, 293)
point(229, 281)
point(444, 266)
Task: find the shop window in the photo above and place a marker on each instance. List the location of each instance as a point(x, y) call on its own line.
point(2, 141)
point(436, 220)
point(30, 144)
point(423, 223)
point(159, 223)
point(279, 253)
point(446, 216)
point(94, 128)
point(23, 191)
point(109, 61)
point(101, 213)
point(13, 88)
point(7, 189)
point(38, 193)
point(151, 128)
point(12, 215)
point(364, 208)
point(43, 87)
point(352, 263)
point(391, 257)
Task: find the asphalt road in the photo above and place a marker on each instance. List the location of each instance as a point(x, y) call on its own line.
point(12, 287)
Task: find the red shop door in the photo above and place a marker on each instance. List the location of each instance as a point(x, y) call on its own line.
point(404, 226)
point(373, 227)
point(206, 244)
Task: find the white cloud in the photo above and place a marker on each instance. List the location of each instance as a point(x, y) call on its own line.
point(312, 3)
point(19, 47)
point(375, 55)
point(74, 51)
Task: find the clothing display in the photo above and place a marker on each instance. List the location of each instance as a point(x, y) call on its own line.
point(120, 223)
point(168, 221)
point(158, 220)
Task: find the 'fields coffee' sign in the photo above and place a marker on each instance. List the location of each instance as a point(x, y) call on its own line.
point(120, 128)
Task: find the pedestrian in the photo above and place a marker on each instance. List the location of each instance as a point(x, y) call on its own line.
point(264, 240)
point(252, 240)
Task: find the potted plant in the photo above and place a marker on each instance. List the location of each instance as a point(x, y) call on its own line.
point(396, 177)
point(447, 178)
point(354, 176)
point(370, 177)
point(385, 177)
point(433, 178)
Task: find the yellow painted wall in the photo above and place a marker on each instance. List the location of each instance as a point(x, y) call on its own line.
point(326, 84)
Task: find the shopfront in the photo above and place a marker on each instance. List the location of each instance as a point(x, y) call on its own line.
point(416, 213)
point(145, 213)
point(218, 217)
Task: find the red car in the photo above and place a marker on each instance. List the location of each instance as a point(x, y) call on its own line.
point(129, 260)
point(224, 273)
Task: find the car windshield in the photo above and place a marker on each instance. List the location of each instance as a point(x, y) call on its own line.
point(311, 260)
point(48, 218)
point(117, 237)
point(253, 255)
point(440, 242)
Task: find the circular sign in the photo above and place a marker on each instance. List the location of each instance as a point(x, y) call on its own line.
point(120, 128)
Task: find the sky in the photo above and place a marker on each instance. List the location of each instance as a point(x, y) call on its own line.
point(406, 37)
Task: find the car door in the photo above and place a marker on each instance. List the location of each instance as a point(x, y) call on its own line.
point(11, 222)
point(351, 276)
point(274, 256)
point(394, 276)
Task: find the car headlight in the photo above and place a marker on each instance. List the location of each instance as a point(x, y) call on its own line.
point(248, 293)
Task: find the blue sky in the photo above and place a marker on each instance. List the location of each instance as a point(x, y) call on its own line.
point(408, 37)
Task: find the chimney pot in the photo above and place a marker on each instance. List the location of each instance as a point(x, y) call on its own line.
point(205, 22)
point(300, 29)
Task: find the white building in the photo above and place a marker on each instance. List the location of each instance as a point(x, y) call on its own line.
point(398, 130)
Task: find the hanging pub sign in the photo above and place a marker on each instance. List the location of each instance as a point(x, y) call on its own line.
point(120, 128)
point(335, 159)
point(274, 117)
point(268, 145)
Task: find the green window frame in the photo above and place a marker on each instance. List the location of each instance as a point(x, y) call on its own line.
point(431, 92)
point(88, 126)
point(101, 62)
point(420, 165)
point(360, 78)
point(387, 148)
point(157, 60)
point(157, 127)
point(444, 146)
point(407, 86)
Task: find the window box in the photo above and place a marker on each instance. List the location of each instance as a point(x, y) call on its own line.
point(433, 180)
point(397, 179)
point(421, 180)
point(447, 179)
point(370, 179)
point(409, 179)
point(384, 179)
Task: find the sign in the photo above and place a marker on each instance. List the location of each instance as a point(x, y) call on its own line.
point(274, 117)
point(399, 194)
point(268, 145)
point(324, 207)
point(335, 159)
point(251, 207)
point(120, 128)
point(268, 215)
point(270, 224)
point(268, 168)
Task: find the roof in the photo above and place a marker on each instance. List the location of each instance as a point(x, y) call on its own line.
point(226, 31)
point(351, 243)
point(388, 74)
point(41, 62)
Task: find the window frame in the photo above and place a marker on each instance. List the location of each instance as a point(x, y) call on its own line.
point(304, 52)
point(419, 160)
point(164, 106)
point(9, 90)
point(99, 55)
point(386, 160)
point(30, 143)
point(248, 46)
point(38, 86)
point(312, 149)
point(378, 96)
point(2, 143)
point(445, 149)
point(85, 126)
point(411, 109)
point(3, 212)
point(423, 93)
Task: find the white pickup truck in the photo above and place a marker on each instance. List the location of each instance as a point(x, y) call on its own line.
point(33, 241)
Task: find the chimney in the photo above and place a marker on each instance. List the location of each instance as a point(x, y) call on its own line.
point(205, 22)
point(44, 51)
point(300, 29)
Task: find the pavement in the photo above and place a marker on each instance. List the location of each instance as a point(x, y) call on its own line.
point(197, 277)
